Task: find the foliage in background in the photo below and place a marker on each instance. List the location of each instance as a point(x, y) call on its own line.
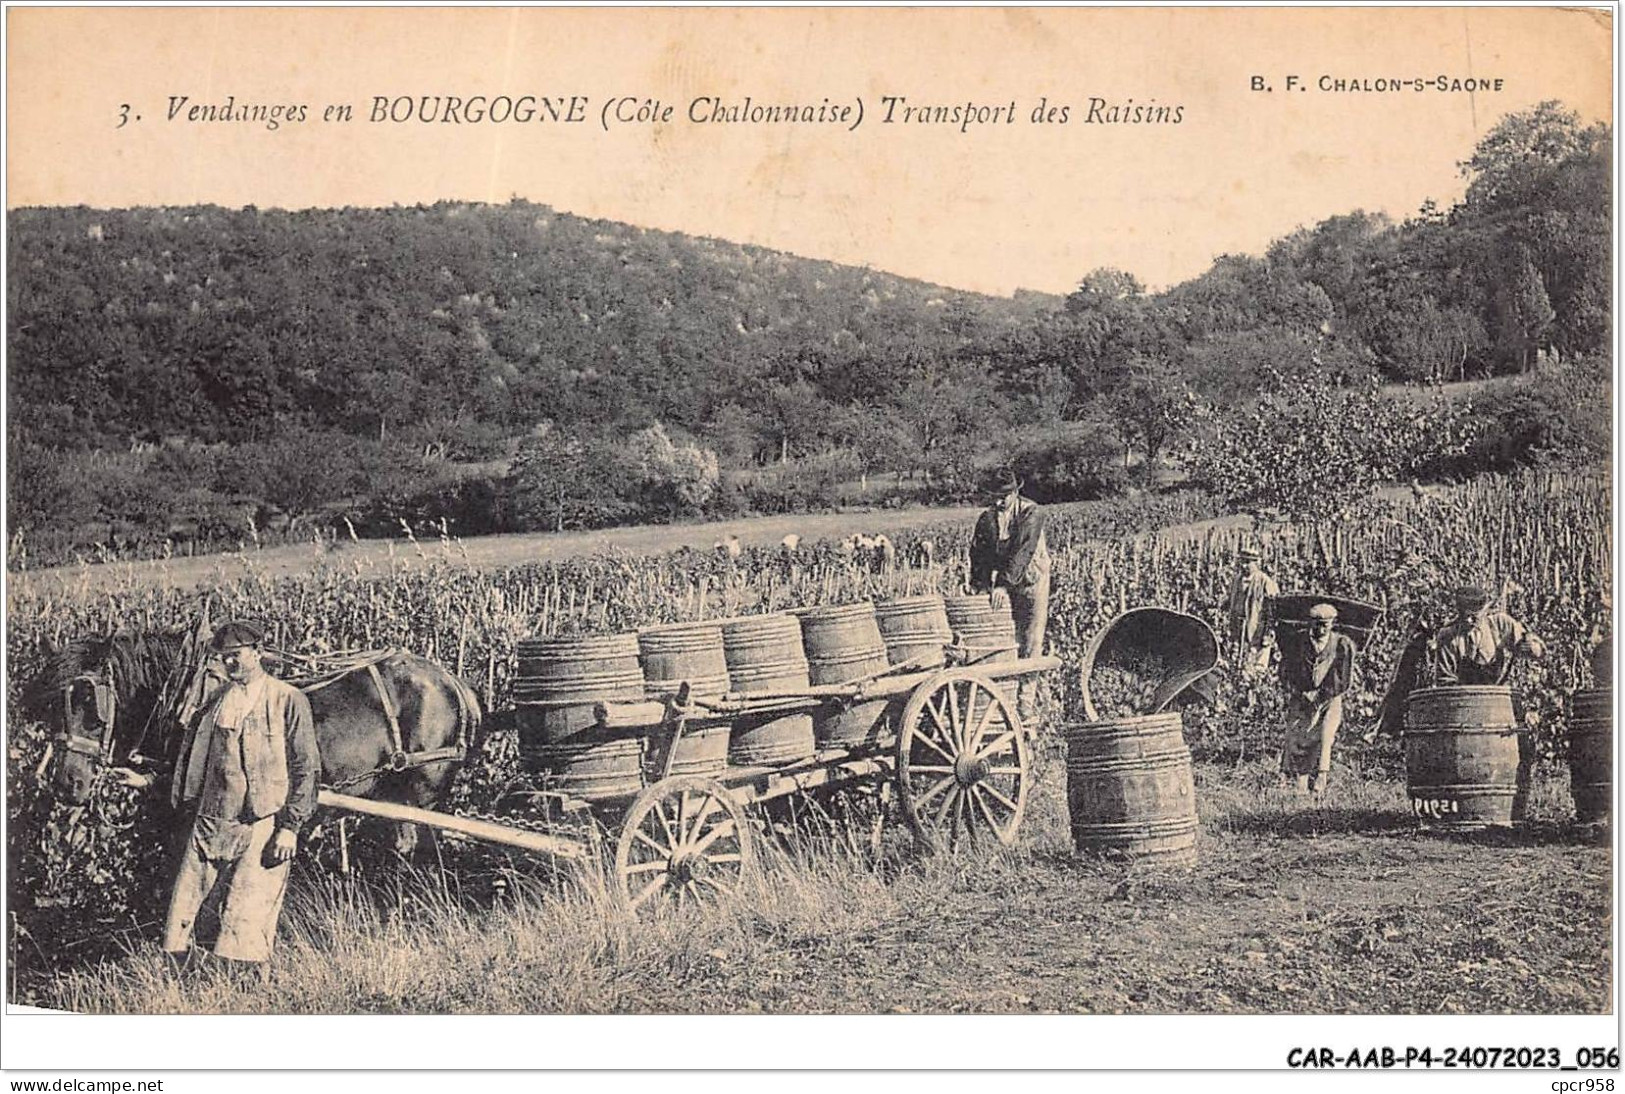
point(1309, 448)
point(402, 347)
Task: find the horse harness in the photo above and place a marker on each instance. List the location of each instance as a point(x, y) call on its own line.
point(399, 759)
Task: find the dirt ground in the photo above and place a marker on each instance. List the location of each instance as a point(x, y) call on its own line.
point(1291, 908)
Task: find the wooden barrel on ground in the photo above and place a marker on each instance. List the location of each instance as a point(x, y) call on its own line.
point(558, 683)
point(687, 653)
point(915, 629)
point(1130, 790)
point(1461, 756)
point(764, 653)
point(843, 643)
point(988, 633)
point(1591, 754)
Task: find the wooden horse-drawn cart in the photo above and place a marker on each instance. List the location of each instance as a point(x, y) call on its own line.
point(664, 770)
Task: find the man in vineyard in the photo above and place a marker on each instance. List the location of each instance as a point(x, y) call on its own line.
point(1316, 677)
point(1250, 637)
point(1480, 644)
point(1479, 647)
point(1010, 559)
point(247, 773)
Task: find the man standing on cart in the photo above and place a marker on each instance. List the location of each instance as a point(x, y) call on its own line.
point(1010, 559)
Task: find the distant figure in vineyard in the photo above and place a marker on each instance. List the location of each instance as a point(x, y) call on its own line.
point(1010, 559)
point(1250, 636)
point(247, 773)
point(1316, 679)
point(1480, 644)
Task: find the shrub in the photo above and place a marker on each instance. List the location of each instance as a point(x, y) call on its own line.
point(1071, 463)
point(1309, 448)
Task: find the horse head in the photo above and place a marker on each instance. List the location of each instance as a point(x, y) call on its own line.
point(114, 695)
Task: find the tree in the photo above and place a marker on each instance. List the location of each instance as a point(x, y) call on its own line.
point(562, 480)
point(1149, 405)
point(1523, 313)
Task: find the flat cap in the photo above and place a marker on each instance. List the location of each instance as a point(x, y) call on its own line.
point(1471, 597)
point(1248, 551)
point(1323, 611)
point(235, 634)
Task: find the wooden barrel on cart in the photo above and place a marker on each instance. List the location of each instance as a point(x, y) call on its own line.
point(1130, 789)
point(764, 653)
point(1461, 756)
point(915, 629)
point(558, 683)
point(843, 643)
point(688, 653)
point(1591, 754)
point(988, 633)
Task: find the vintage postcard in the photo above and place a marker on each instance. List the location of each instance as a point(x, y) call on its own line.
point(1100, 514)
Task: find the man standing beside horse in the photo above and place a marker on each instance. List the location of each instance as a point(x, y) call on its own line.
point(246, 777)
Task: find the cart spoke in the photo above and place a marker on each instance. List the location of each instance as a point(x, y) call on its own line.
point(987, 814)
point(937, 788)
point(981, 726)
point(956, 721)
point(693, 890)
point(934, 769)
point(682, 820)
point(731, 856)
point(948, 803)
point(922, 736)
point(1004, 771)
point(659, 811)
point(998, 795)
point(937, 715)
point(726, 828)
point(663, 852)
point(709, 806)
point(645, 867)
point(970, 716)
point(649, 890)
point(997, 745)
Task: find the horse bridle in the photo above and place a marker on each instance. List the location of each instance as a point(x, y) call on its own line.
point(106, 703)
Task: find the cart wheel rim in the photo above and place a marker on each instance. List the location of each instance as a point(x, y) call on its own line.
point(683, 841)
point(962, 761)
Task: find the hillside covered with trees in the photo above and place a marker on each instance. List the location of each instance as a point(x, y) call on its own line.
point(211, 375)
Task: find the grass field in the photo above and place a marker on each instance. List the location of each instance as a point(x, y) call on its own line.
point(1338, 906)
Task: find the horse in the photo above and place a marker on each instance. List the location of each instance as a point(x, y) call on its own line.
point(390, 725)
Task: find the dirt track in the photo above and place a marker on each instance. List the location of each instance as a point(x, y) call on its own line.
point(1291, 909)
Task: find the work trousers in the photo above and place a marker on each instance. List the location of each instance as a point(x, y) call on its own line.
point(244, 894)
point(1310, 731)
point(1029, 605)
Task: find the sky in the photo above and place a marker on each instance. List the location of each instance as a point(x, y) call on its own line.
point(992, 206)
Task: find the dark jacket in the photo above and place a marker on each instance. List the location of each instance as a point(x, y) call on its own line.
point(1008, 560)
point(1298, 669)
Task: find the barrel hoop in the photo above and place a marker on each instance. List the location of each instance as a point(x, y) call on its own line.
point(1461, 731)
point(1161, 762)
point(1131, 829)
point(1462, 788)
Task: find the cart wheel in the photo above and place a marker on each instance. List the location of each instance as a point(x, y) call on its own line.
point(961, 760)
point(683, 839)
